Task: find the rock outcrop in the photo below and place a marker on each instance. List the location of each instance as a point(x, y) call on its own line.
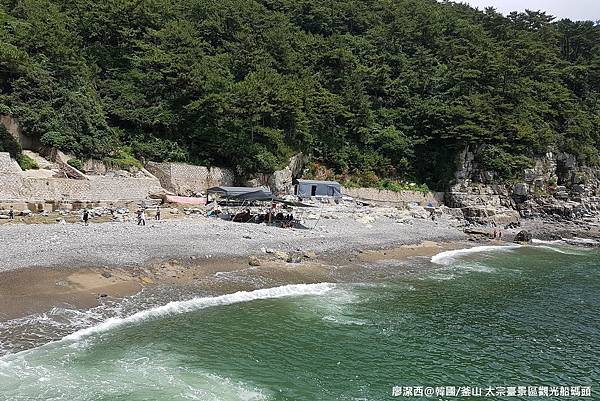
point(280, 182)
point(522, 236)
point(557, 187)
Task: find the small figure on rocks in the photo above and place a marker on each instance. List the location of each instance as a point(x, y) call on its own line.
point(86, 217)
point(157, 215)
point(11, 214)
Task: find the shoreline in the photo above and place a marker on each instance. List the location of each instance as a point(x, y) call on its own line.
point(81, 267)
point(29, 291)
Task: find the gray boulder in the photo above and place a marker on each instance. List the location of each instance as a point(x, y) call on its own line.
point(521, 189)
point(523, 236)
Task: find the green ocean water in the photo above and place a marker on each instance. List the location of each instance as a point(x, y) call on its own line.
point(527, 316)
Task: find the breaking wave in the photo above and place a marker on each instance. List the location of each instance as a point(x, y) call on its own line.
point(179, 307)
point(448, 257)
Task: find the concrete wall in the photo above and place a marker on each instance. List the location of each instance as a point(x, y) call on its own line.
point(185, 179)
point(14, 187)
point(8, 165)
point(401, 198)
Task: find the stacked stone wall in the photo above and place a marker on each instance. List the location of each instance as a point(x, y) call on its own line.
point(400, 198)
point(187, 179)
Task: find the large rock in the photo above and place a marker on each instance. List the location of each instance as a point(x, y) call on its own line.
point(521, 189)
point(280, 181)
point(523, 236)
point(562, 195)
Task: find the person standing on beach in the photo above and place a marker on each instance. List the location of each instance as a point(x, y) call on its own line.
point(86, 216)
point(11, 214)
point(157, 216)
point(141, 218)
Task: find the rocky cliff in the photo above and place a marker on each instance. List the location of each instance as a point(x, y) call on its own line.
point(557, 187)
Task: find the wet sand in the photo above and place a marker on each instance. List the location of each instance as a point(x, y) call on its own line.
point(27, 291)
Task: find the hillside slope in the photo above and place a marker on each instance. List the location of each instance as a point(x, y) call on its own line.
point(367, 88)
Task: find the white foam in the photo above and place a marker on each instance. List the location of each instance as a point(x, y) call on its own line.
point(568, 241)
point(178, 307)
point(448, 257)
point(583, 241)
point(541, 241)
point(344, 320)
point(564, 251)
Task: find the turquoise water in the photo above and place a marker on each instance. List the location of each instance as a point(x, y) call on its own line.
point(526, 316)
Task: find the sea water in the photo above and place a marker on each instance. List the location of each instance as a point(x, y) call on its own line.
point(493, 318)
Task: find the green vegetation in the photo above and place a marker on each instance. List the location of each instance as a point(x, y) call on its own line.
point(27, 163)
point(369, 88)
point(75, 163)
point(123, 159)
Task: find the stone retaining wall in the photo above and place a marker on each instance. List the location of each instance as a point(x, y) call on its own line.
point(13, 187)
point(186, 179)
point(400, 198)
point(8, 165)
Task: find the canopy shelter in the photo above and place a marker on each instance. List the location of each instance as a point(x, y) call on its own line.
point(249, 194)
point(259, 195)
point(230, 192)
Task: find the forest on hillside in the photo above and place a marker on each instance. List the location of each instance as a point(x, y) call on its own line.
point(368, 89)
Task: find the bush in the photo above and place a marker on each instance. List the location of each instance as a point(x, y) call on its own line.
point(398, 186)
point(27, 163)
point(75, 163)
point(494, 158)
point(123, 160)
point(158, 149)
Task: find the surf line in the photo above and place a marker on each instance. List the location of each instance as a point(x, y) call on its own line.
point(180, 307)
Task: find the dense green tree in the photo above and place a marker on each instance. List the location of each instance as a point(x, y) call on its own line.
point(371, 89)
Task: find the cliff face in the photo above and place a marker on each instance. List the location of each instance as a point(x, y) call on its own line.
point(557, 187)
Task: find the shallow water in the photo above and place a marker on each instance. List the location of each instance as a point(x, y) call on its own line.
point(518, 316)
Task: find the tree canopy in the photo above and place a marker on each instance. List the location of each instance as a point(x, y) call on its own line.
point(369, 88)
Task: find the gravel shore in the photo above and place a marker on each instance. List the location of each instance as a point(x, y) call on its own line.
point(126, 244)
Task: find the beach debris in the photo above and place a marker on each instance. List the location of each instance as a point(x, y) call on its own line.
point(364, 218)
point(106, 275)
point(309, 254)
point(253, 261)
point(146, 280)
point(247, 237)
point(523, 236)
point(281, 255)
point(294, 259)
